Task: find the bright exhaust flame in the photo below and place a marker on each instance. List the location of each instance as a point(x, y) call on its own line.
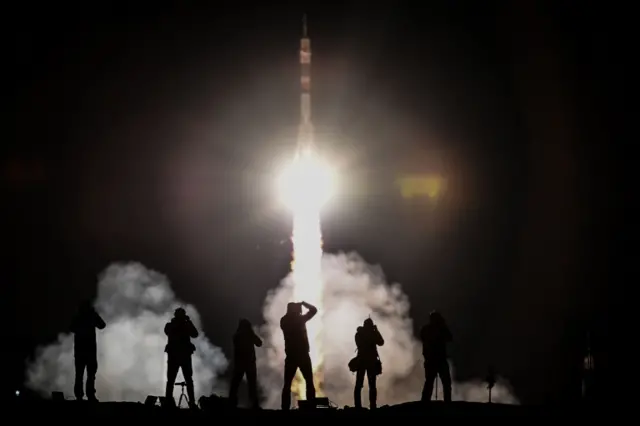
point(305, 186)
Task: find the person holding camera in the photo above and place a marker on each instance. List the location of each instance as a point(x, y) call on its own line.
point(368, 338)
point(296, 348)
point(85, 355)
point(180, 330)
point(435, 336)
point(245, 341)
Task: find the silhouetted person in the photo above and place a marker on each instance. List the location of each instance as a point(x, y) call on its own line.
point(296, 348)
point(180, 330)
point(435, 337)
point(244, 360)
point(84, 326)
point(368, 338)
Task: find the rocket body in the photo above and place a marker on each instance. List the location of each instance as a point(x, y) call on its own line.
point(305, 133)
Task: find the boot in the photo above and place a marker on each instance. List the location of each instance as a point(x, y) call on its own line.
point(192, 396)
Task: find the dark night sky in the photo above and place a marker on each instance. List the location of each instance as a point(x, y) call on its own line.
point(149, 134)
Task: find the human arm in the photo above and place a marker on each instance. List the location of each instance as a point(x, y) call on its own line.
point(311, 311)
point(98, 321)
point(358, 337)
point(193, 332)
point(424, 334)
point(378, 337)
point(256, 340)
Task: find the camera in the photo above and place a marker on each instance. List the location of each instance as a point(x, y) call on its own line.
point(181, 319)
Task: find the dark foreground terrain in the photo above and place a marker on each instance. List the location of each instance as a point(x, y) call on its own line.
point(125, 412)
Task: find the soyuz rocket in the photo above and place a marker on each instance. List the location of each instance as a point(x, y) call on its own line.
point(305, 133)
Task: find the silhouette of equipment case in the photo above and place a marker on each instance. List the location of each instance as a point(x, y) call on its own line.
point(321, 402)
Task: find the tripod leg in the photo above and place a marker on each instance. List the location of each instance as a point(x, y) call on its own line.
point(436, 383)
point(182, 396)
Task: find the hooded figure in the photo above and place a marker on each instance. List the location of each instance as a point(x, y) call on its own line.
point(244, 359)
point(435, 336)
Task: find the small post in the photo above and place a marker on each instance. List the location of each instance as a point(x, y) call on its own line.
point(491, 381)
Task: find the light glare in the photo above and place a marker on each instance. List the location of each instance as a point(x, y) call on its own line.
point(306, 184)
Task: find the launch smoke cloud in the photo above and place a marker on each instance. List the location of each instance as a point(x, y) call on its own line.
point(136, 303)
point(353, 290)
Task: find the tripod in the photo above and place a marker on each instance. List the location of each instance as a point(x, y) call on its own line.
point(182, 394)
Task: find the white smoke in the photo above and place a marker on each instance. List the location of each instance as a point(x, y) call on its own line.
point(353, 291)
point(136, 303)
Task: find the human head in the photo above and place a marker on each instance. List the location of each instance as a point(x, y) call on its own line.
point(244, 324)
point(294, 308)
point(435, 317)
point(180, 313)
point(368, 323)
point(86, 306)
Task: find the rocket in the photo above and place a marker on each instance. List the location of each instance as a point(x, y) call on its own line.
point(305, 133)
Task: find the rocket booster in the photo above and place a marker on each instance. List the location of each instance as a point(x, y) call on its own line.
point(305, 135)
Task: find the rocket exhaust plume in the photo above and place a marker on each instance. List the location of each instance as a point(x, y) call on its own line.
point(136, 303)
point(352, 290)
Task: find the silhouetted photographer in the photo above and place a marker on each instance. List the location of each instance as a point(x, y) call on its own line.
point(435, 336)
point(296, 347)
point(368, 338)
point(84, 326)
point(180, 330)
point(244, 362)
